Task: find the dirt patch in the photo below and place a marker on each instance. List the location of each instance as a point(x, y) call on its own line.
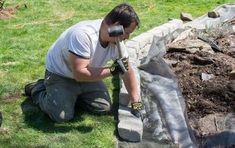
point(8, 12)
point(204, 77)
point(205, 96)
point(9, 97)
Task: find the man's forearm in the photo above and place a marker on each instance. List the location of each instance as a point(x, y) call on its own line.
point(91, 74)
point(132, 85)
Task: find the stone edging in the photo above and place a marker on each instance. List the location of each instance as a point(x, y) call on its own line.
point(138, 46)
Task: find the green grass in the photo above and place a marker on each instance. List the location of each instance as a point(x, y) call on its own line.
point(24, 42)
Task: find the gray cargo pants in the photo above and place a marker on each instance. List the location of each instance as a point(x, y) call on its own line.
point(57, 96)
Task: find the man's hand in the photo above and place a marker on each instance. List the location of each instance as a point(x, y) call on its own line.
point(137, 109)
point(120, 66)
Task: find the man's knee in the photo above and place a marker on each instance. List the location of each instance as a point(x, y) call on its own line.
point(61, 116)
point(103, 106)
point(97, 105)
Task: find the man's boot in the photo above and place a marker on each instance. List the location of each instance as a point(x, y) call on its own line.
point(32, 88)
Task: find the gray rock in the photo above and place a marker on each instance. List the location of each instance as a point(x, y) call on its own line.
point(213, 14)
point(232, 75)
point(186, 16)
point(206, 77)
point(130, 128)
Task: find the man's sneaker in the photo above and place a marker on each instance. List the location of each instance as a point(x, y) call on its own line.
point(29, 87)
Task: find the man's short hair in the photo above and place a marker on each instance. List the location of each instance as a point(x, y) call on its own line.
point(124, 14)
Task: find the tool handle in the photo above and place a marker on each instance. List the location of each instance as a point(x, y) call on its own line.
point(119, 61)
point(119, 49)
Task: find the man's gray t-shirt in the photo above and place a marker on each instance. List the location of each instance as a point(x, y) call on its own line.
point(81, 39)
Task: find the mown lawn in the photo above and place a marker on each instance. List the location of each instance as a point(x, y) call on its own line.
point(24, 41)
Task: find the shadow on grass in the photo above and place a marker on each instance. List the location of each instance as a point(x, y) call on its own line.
point(37, 119)
point(115, 105)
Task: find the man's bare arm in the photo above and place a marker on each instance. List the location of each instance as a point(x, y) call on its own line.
point(132, 85)
point(82, 71)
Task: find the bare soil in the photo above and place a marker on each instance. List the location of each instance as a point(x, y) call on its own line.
point(208, 96)
point(215, 95)
point(9, 12)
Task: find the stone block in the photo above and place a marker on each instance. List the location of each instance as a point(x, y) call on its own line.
point(132, 53)
point(130, 128)
point(144, 39)
point(132, 44)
